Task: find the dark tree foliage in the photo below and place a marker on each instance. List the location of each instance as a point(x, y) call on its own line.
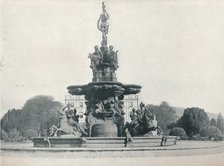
point(11, 120)
point(165, 114)
point(4, 135)
point(220, 122)
point(213, 122)
point(178, 131)
point(39, 114)
point(193, 120)
point(35, 118)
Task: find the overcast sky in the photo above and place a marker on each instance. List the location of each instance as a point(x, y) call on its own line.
point(173, 49)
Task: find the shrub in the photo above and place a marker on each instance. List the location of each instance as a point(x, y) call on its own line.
point(195, 137)
point(178, 131)
point(166, 131)
point(29, 133)
point(14, 136)
point(210, 132)
point(4, 135)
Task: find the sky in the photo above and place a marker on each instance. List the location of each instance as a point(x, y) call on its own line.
point(173, 49)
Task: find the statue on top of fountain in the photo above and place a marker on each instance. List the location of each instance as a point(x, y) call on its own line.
point(104, 60)
point(96, 58)
point(103, 25)
point(103, 57)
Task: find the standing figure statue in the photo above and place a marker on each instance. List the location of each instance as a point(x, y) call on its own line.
point(96, 58)
point(119, 118)
point(103, 25)
point(113, 57)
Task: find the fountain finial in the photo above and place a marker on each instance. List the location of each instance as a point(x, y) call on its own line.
point(103, 25)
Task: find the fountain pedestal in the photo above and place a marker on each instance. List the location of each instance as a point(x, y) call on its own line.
point(104, 128)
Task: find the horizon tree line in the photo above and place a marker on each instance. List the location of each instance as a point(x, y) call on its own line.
point(39, 113)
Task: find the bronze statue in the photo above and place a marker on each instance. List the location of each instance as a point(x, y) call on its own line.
point(104, 61)
point(113, 57)
point(99, 108)
point(143, 122)
point(96, 58)
point(119, 119)
point(68, 125)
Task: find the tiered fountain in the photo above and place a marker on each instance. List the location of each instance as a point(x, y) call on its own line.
point(104, 114)
point(104, 94)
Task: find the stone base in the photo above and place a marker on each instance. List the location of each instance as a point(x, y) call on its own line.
point(101, 142)
point(90, 142)
point(104, 128)
point(56, 142)
point(146, 141)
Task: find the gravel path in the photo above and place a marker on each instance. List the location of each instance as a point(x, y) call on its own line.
point(196, 160)
point(182, 148)
point(185, 153)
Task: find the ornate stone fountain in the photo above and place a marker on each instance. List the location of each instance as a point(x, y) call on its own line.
point(104, 95)
point(104, 108)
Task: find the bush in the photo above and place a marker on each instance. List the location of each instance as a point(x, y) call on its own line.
point(4, 135)
point(195, 137)
point(210, 132)
point(166, 131)
point(30, 133)
point(178, 131)
point(14, 136)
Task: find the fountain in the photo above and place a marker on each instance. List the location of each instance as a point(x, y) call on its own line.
point(104, 94)
point(105, 126)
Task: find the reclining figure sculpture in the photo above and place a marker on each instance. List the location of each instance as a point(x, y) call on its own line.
point(143, 123)
point(68, 125)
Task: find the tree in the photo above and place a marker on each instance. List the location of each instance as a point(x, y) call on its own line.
point(193, 120)
point(4, 135)
point(213, 122)
point(220, 122)
point(39, 114)
point(35, 118)
point(11, 120)
point(165, 114)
